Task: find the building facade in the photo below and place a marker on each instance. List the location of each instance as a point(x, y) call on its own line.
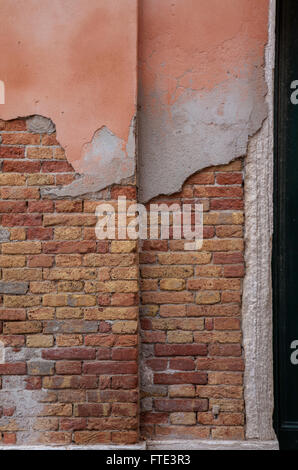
point(145, 341)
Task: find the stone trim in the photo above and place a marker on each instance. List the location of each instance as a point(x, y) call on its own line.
point(180, 444)
point(257, 322)
point(212, 445)
point(141, 446)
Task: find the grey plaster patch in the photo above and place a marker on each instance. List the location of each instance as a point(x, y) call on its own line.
point(4, 234)
point(41, 367)
point(26, 407)
point(256, 304)
point(14, 423)
point(13, 287)
point(146, 404)
point(156, 390)
point(83, 185)
point(106, 160)
point(148, 389)
point(147, 350)
point(22, 355)
point(76, 326)
point(205, 128)
point(40, 125)
point(12, 382)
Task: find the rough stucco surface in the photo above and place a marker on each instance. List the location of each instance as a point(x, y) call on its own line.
point(257, 296)
point(202, 87)
point(74, 62)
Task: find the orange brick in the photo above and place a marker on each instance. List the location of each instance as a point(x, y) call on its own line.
point(180, 391)
point(217, 336)
point(41, 313)
point(21, 300)
point(69, 340)
point(20, 139)
point(70, 286)
point(14, 328)
point(165, 297)
point(219, 391)
point(185, 258)
point(55, 300)
point(17, 234)
point(19, 193)
point(7, 261)
point(223, 419)
point(40, 180)
point(224, 432)
point(68, 206)
point(67, 233)
point(12, 179)
point(57, 409)
point(21, 248)
point(92, 437)
point(24, 274)
point(226, 323)
point(68, 260)
point(208, 297)
point(188, 418)
point(225, 378)
point(172, 284)
point(42, 261)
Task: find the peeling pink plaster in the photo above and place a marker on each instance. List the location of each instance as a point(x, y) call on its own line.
point(199, 44)
point(202, 88)
point(73, 61)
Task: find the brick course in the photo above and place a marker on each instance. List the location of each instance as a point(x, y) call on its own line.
point(70, 308)
point(190, 318)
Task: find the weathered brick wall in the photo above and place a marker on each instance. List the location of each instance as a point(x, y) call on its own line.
point(190, 318)
point(70, 305)
point(69, 312)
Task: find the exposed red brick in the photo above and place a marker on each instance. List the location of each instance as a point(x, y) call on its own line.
point(17, 166)
point(56, 167)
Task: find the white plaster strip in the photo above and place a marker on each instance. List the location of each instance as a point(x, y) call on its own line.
point(257, 296)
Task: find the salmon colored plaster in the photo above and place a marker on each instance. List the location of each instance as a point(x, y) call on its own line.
point(73, 61)
point(201, 64)
point(191, 44)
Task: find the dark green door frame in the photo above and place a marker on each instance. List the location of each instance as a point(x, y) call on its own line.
point(285, 243)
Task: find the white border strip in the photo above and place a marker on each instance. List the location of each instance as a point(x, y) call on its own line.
point(141, 446)
point(164, 445)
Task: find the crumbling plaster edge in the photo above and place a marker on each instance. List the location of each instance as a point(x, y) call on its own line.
point(257, 321)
